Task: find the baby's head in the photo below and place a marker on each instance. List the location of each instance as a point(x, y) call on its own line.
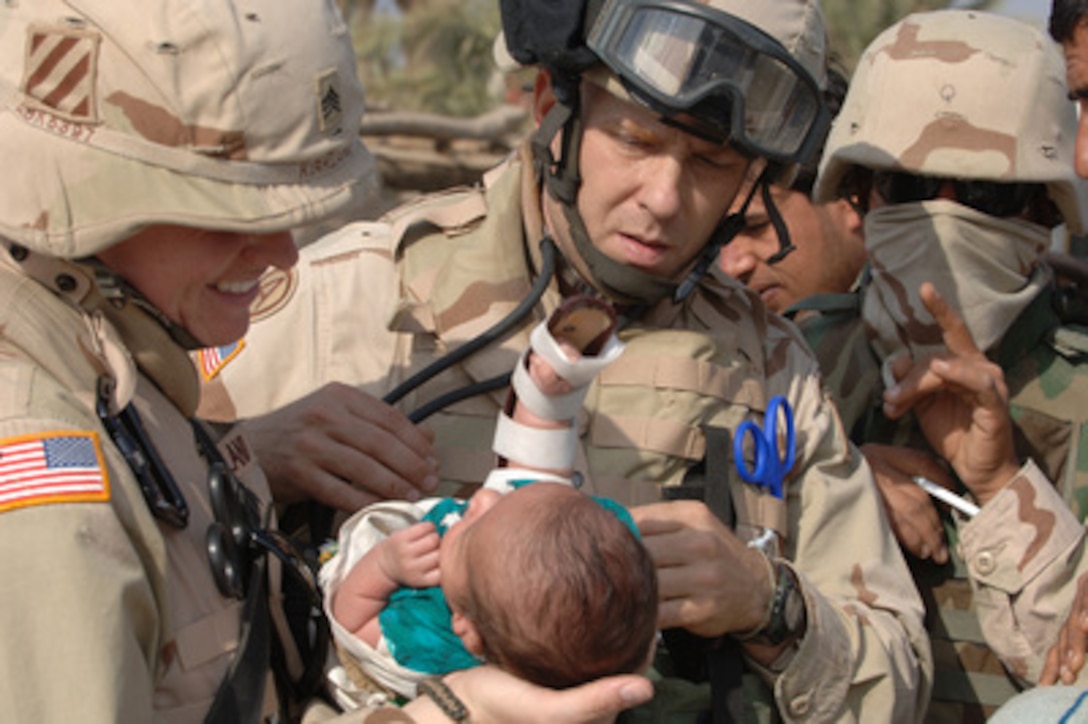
point(550, 585)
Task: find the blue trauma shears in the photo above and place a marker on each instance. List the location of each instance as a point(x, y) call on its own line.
point(772, 462)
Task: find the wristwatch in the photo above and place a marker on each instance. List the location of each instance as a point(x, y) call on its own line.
point(787, 617)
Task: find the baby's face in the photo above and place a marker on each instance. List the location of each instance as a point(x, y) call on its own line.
point(478, 541)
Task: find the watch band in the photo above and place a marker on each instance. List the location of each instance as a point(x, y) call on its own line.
point(437, 691)
point(785, 615)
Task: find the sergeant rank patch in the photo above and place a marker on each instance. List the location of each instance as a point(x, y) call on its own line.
point(52, 467)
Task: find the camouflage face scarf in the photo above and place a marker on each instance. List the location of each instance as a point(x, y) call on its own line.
point(983, 265)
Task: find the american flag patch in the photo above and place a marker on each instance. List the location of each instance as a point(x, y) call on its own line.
point(60, 72)
point(213, 359)
point(52, 467)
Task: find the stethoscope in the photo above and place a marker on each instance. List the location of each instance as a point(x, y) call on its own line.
point(237, 532)
point(496, 332)
point(321, 516)
point(165, 499)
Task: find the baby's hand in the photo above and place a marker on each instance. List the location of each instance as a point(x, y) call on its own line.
point(410, 556)
point(544, 375)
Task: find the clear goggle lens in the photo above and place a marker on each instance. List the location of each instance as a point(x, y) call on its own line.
point(728, 75)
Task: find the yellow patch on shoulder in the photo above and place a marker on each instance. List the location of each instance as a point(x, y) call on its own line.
point(60, 466)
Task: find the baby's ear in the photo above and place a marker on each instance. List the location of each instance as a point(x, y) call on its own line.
point(466, 631)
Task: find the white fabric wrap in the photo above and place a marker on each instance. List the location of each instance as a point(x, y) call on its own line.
point(550, 449)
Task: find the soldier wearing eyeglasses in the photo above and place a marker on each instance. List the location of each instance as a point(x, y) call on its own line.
point(957, 136)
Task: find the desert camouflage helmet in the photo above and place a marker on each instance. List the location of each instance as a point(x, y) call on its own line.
point(961, 94)
point(118, 114)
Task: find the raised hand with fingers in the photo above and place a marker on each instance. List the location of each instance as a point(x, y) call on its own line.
point(961, 402)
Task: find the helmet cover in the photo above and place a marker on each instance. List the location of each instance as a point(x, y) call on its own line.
point(121, 114)
point(959, 94)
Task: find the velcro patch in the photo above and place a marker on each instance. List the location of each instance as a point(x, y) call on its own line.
point(61, 64)
point(52, 467)
point(213, 359)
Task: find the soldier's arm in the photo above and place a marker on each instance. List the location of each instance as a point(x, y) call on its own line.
point(1024, 549)
point(492, 696)
point(865, 654)
point(80, 622)
point(961, 402)
point(343, 448)
point(1025, 554)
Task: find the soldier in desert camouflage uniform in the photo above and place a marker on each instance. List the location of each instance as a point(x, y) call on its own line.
point(135, 217)
point(156, 156)
point(957, 130)
point(1069, 26)
point(634, 187)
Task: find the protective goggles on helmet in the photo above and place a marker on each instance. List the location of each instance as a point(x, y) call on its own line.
point(989, 197)
point(686, 57)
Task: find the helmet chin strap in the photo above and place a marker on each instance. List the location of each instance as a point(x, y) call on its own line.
point(785, 243)
point(113, 287)
point(732, 225)
point(624, 284)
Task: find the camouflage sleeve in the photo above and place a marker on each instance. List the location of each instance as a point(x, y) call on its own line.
point(1024, 553)
point(327, 319)
point(865, 655)
point(80, 625)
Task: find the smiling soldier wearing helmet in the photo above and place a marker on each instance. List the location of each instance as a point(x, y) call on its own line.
point(156, 157)
point(650, 115)
point(155, 161)
point(957, 131)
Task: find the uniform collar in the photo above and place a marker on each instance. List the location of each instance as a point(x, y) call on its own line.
point(1037, 320)
point(142, 336)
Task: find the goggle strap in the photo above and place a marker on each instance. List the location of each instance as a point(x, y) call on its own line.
point(625, 285)
point(560, 175)
point(561, 178)
point(725, 232)
point(785, 243)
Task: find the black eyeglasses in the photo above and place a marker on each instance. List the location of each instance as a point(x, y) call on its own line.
point(990, 197)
